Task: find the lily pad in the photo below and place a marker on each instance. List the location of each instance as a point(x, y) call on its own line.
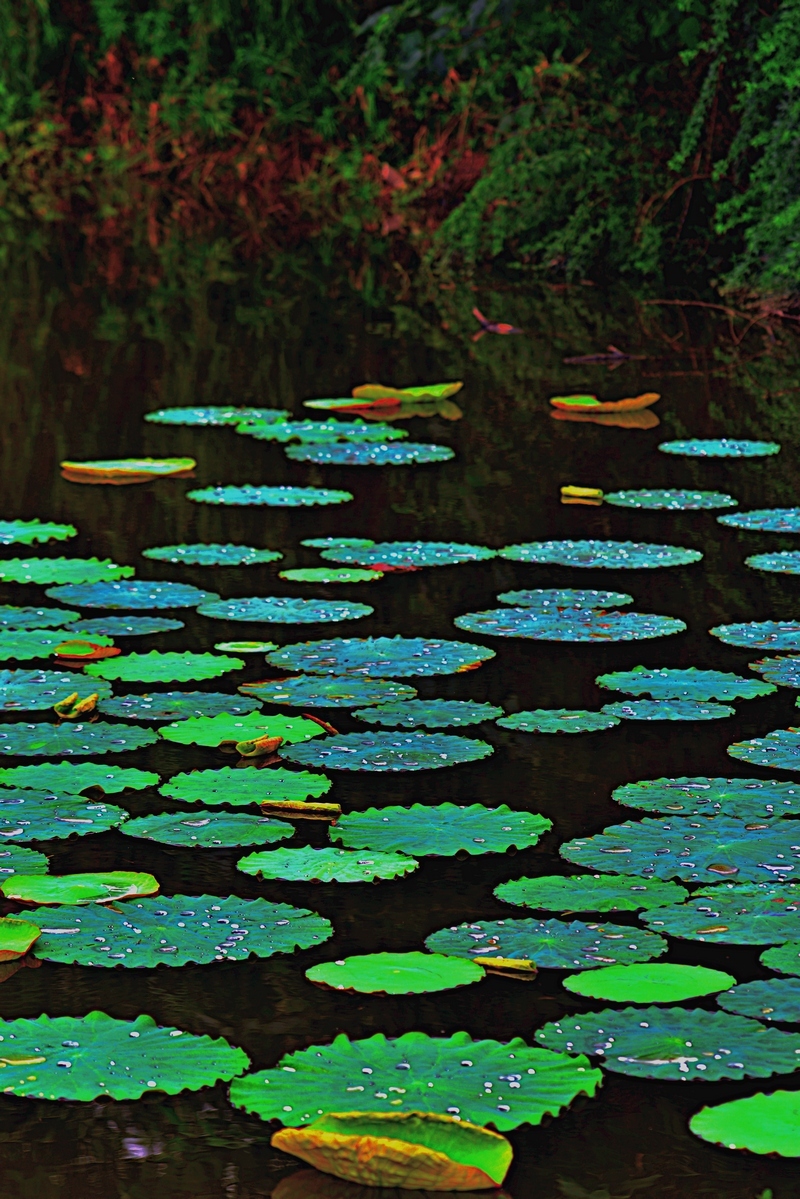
point(692, 848)
point(401, 554)
point(95, 1056)
point(177, 930)
point(62, 570)
point(674, 500)
point(653, 982)
point(612, 555)
point(241, 788)
point(765, 1124)
point(50, 740)
point(724, 447)
point(141, 593)
point(22, 645)
point(445, 829)
point(16, 938)
point(74, 777)
point(327, 865)
point(354, 453)
point(245, 647)
point(78, 889)
point(746, 799)
point(313, 432)
point(784, 958)
point(686, 683)
point(26, 532)
point(763, 634)
point(733, 914)
point(668, 709)
point(779, 750)
point(550, 944)
point(214, 730)
point(282, 609)
point(157, 667)
point(270, 497)
point(675, 1043)
point(589, 893)
point(549, 599)
point(176, 705)
point(432, 1074)
point(569, 624)
point(764, 520)
point(785, 563)
point(381, 657)
point(212, 830)
point(324, 543)
point(37, 690)
point(330, 574)
point(215, 415)
point(783, 671)
point(396, 973)
point(13, 617)
point(388, 751)
point(37, 816)
point(211, 554)
point(309, 691)
point(16, 859)
point(765, 999)
point(433, 713)
point(125, 626)
point(558, 720)
point(125, 470)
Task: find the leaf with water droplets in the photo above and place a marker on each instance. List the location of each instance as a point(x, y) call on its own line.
point(327, 865)
point(241, 788)
point(432, 713)
point(158, 667)
point(746, 799)
point(211, 554)
point(444, 829)
point(685, 683)
point(37, 816)
point(388, 751)
point(550, 944)
point(132, 594)
point(733, 914)
point(270, 497)
point(381, 657)
point(211, 830)
point(613, 555)
point(558, 720)
point(589, 893)
point(72, 740)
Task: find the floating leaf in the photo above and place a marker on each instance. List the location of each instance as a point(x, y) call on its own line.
point(37, 816)
point(766, 1124)
point(381, 657)
point(212, 830)
point(321, 1078)
point(779, 750)
point(380, 391)
point(733, 914)
point(76, 777)
point(283, 609)
point(126, 470)
point(550, 944)
point(62, 570)
point(674, 1044)
point(589, 893)
point(409, 453)
point(613, 555)
point(784, 563)
point(765, 999)
point(569, 624)
point(50, 740)
point(271, 497)
point(401, 554)
point(433, 713)
point(211, 554)
point(388, 751)
point(12, 617)
point(26, 532)
point(445, 829)
point(324, 543)
point(245, 647)
point(241, 788)
point(396, 973)
point(764, 634)
point(126, 626)
point(215, 730)
point(675, 500)
point(22, 645)
point(327, 865)
point(78, 889)
point(36, 690)
point(785, 958)
point(552, 598)
point(722, 448)
point(177, 930)
point(157, 667)
point(309, 691)
point(558, 720)
point(744, 798)
point(684, 683)
point(330, 574)
point(176, 705)
point(15, 859)
point(318, 432)
point(16, 938)
point(668, 709)
point(653, 982)
point(131, 595)
point(215, 415)
point(764, 520)
point(783, 671)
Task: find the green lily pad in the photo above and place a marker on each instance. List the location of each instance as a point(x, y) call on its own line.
point(674, 500)
point(16, 859)
point(733, 914)
point(320, 432)
point(432, 1074)
point(724, 447)
point(688, 683)
point(765, 1124)
point(95, 1056)
point(675, 1044)
point(37, 690)
point(327, 865)
point(764, 520)
point(746, 799)
point(25, 644)
point(668, 709)
point(62, 570)
point(612, 555)
point(550, 944)
point(176, 705)
point(550, 599)
point(214, 730)
point(178, 930)
point(786, 562)
point(241, 788)
point(381, 657)
point(783, 671)
point(589, 893)
point(120, 470)
point(78, 740)
point(245, 647)
point(212, 830)
point(784, 958)
point(137, 593)
point(362, 453)
point(125, 626)
point(248, 496)
point(432, 713)
point(389, 751)
point(445, 829)
point(324, 543)
point(13, 617)
point(26, 532)
point(692, 848)
point(401, 554)
point(211, 554)
point(284, 609)
point(330, 574)
point(396, 973)
point(36, 816)
point(310, 691)
point(16, 938)
point(569, 624)
point(779, 750)
point(653, 982)
point(558, 720)
point(760, 634)
point(765, 999)
point(157, 667)
point(74, 777)
point(78, 889)
point(215, 415)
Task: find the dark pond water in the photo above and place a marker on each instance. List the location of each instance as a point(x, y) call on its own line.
point(72, 389)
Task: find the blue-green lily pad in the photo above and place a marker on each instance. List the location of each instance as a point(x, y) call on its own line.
point(402, 554)
point(241, 788)
point(318, 432)
point(211, 554)
point(215, 415)
point(724, 447)
point(72, 740)
point(24, 645)
point(12, 617)
point(17, 859)
point(248, 496)
point(330, 574)
point(779, 750)
point(569, 624)
point(381, 657)
point(764, 520)
point(388, 751)
point(432, 713)
point(686, 683)
point(125, 626)
point(549, 599)
point(674, 500)
point(783, 671)
point(764, 634)
point(315, 691)
point(212, 830)
point(325, 543)
point(282, 609)
point(558, 720)
point(39, 816)
point(733, 914)
point(767, 999)
point(37, 690)
point(26, 532)
point(784, 958)
point(74, 777)
point(445, 829)
point(589, 893)
point(215, 730)
point(62, 570)
point(668, 709)
point(610, 555)
point(786, 562)
point(176, 705)
point(549, 944)
point(745, 799)
point(327, 865)
point(158, 667)
point(132, 595)
point(354, 453)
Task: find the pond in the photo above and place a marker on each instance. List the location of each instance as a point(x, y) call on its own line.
point(77, 379)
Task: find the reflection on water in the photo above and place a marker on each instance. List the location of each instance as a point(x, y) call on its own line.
point(77, 371)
